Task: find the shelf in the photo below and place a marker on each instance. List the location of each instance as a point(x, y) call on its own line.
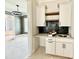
point(52, 13)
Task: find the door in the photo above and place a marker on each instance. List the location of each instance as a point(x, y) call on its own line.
point(25, 25)
point(17, 25)
point(68, 50)
point(59, 48)
point(50, 46)
point(65, 14)
point(40, 15)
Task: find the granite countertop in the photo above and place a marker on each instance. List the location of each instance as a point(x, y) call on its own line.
point(57, 38)
point(47, 35)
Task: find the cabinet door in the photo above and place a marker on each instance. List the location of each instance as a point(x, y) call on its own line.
point(40, 15)
point(68, 50)
point(35, 44)
point(50, 47)
point(59, 49)
point(65, 14)
point(42, 41)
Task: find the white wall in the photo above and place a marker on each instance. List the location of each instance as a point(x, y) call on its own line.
point(35, 41)
point(29, 13)
point(34, 18)
point(72, 22)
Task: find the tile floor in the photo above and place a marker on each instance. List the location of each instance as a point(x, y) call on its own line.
point(40, 54)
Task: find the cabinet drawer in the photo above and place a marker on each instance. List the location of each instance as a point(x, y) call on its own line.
point(50, 39)
point(50, 47)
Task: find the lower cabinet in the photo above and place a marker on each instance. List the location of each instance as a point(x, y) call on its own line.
point(42, 41)
point(59, 48)
point(68, 50)
point(35, 44)
point(50, 46)
point(64, 49)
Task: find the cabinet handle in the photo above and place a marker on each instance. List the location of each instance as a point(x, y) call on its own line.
point(64, 46)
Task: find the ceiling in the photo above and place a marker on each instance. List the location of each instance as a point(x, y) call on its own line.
point(10, 5)
point(53, 1)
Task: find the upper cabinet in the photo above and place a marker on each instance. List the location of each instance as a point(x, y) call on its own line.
point(65, 14)
point(51, 7)
point(40, 12)
point(54, 11)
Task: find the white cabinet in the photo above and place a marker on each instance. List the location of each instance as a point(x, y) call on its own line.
point(52, 7)
point(68, 50)
point(40, 18)
point(59, 49)
point(65, 14)
point(42, 41)
point(64, 49)
point(50, 46)
point(35, 44)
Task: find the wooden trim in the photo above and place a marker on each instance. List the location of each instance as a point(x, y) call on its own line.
point(52, 13)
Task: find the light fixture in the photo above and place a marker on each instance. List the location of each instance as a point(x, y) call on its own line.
point(17, 13)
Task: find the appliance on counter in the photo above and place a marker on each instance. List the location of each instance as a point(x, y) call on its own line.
point(62, 35)
point(63, 30)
